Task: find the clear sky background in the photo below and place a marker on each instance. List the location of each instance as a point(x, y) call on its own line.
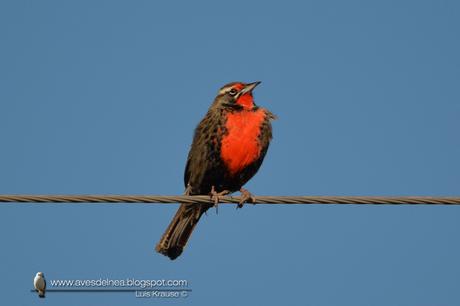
point(101, 97)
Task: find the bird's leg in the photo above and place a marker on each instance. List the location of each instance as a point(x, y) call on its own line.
point(246, 197)
point(215, 196)
point(188, 190)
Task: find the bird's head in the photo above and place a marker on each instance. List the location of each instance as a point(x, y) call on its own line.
point(237, 95)
point(40, 274)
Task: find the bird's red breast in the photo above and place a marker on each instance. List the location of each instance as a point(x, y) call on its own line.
point(240, 145)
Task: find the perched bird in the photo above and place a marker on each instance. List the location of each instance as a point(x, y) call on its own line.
point(228, 148)
point(40, 284)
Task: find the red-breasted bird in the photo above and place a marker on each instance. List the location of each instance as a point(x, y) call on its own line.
point(228, 148)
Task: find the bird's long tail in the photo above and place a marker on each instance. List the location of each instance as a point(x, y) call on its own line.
point(180, 229)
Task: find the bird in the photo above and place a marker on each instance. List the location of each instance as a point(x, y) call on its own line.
point(40, 284)
point(228, 148)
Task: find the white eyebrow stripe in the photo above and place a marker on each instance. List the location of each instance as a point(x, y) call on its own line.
point(225, 90)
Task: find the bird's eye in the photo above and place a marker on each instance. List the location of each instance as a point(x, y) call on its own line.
point(233, 92)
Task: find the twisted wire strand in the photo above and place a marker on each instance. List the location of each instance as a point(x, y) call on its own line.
point(114, 199)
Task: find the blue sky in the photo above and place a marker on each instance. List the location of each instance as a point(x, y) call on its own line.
point(101, 97)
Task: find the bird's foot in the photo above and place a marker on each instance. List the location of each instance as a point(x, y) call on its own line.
point(215, 196)
point(246, 197)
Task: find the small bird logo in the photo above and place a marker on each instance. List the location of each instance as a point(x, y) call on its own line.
point(228, 148)
point(40, 284)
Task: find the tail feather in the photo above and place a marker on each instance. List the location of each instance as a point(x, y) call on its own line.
point(175, 238)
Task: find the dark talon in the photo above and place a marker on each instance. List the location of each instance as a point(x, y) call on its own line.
point(246, 197)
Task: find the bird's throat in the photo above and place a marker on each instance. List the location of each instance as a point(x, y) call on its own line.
point(246, 101)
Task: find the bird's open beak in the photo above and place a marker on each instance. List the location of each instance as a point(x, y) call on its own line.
point(249, 88)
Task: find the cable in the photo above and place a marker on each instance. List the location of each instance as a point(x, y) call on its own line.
point(359, 200)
